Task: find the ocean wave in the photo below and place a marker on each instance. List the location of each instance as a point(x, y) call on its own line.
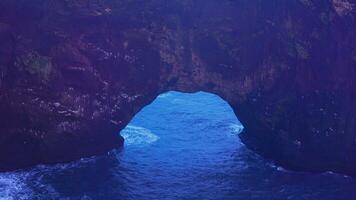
point(135, 135)
point(12, 186)
point(236, 128)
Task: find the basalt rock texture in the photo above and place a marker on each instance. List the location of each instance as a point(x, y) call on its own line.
point(73, 73)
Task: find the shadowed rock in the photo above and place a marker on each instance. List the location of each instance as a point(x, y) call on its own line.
point(73, 73)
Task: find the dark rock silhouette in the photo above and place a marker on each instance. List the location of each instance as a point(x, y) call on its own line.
point(73, 73)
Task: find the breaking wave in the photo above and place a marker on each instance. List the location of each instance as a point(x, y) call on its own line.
point(236, 128)
point(135, 135)
point(13, 187)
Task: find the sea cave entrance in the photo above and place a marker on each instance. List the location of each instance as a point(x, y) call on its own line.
point(184, 143)
point(181, 113)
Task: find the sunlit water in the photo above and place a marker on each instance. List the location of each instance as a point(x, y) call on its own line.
point(183, 146)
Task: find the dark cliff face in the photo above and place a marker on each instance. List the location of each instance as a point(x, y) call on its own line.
point(73, 73)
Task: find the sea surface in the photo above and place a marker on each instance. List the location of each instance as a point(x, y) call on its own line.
point(182, 146)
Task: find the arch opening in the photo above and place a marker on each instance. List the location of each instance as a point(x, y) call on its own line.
point(181, 142)
point(183, 114)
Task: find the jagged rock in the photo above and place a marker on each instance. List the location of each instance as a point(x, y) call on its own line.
point(73, 74)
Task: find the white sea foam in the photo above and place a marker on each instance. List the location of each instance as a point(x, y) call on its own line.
point(277, 167)
point(12, 186)
point(236, 128)
point(135, 135)
point(165, 95)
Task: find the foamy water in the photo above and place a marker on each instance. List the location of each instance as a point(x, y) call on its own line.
point(135, 135)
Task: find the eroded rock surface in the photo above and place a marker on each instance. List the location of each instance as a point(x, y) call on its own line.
point(73, 73)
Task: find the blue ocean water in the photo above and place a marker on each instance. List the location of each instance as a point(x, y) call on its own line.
point(182, 146)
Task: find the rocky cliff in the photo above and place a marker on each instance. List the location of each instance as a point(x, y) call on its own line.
point(73, 73)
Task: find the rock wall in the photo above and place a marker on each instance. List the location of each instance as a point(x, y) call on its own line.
point(73, 73)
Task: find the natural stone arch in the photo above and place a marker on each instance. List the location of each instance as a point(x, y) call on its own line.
point(74, 73)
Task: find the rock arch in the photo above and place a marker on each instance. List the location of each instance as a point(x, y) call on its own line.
point(74, 73)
